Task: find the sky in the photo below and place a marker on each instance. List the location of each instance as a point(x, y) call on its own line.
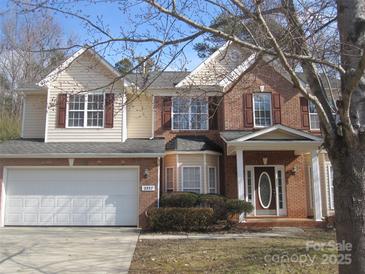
point(115, 19)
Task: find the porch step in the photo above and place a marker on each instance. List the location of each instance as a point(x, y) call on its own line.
point(252, 223)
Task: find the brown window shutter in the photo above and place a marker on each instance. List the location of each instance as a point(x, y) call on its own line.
point(166, 112)
point(276, 108)
point(247, 110)
point(304, 112)
point(213, 112)
point(109, 110)
point(61, 110)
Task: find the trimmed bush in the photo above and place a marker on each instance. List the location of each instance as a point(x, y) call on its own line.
point(217, 203)
point(235, 206)
point(180, 219)
point(179, 199)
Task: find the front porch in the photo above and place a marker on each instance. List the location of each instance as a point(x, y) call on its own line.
point(271, 174)
point(269, 222)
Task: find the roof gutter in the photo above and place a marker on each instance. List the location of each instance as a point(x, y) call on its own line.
point(81, 155)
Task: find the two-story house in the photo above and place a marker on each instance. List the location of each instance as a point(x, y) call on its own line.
point(99, 149)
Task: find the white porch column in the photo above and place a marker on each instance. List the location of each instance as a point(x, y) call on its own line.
point(316, 187)
point(240, 180)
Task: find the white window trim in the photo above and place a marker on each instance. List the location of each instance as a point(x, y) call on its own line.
point(311, 114)
point(253, 109)
point(279, 212)
point(329, 187)
point(173, 176)
point(215, 179)
point(310, 187)
point(200, 177)
point(189, 113)
point(85, 110)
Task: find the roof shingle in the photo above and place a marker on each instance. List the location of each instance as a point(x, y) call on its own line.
point(37, 147)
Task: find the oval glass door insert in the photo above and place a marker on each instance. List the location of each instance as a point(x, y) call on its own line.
point(265, 190)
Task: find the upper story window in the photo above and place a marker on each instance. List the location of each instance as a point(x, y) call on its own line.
point(85, 110)
point(262, 109)
point(313, 117)
point(189, 113)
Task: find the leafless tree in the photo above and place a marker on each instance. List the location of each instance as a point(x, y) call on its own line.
point(321, 37)
point(23, 60)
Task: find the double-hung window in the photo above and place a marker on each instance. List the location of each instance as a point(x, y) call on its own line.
point(262, 109)
point(191, 179)
point(212, 180)
point(86, 110)
point(189, 113)
point(169, 179)
point(313, 117)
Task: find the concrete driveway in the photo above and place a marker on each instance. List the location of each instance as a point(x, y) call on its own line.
point(66, 250)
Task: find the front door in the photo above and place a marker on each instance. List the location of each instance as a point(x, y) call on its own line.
point(265, 191)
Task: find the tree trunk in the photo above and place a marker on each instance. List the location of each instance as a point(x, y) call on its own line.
point(349, 192)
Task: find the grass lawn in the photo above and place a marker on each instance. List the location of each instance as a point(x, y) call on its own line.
point(235, 255)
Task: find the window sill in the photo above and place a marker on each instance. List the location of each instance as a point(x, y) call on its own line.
point(84, 127)
point(191, 130)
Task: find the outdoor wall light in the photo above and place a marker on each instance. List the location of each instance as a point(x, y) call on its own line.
point(146, 173)
point(295, 169)
point(264, 160)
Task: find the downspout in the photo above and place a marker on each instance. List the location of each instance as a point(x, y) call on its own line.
point(153, 118)
point(158, 180)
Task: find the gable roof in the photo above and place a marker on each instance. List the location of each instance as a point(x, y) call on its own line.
point(229, 62)
point(273, 133)
point(220, 68)
point(53, 74)
point(157, 79)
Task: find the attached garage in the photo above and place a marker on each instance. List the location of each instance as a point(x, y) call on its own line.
point(71, 196)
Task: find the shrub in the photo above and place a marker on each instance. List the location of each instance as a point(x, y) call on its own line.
point(235, 206)
point(217, 203)
point(179, 199)
point(9, 127)
point(180, 219)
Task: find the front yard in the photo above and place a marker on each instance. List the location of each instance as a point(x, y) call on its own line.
point(244, 255)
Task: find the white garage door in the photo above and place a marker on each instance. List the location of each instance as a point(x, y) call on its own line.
point(71, 196)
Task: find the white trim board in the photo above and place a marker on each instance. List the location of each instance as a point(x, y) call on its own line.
point(207, 152)
point(187, 80)
point(277, 127)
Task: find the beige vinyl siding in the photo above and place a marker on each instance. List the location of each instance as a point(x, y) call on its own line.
point(34, 116)
point(85, 73)
point(217, 67)
point(170, 161)
point(139, 117)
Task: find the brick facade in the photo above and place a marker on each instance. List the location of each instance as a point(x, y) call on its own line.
point(296, 184)
point(231, 117)
point(146, 199)
point(273, 82)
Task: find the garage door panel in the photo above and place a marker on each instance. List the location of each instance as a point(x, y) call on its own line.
point(60, 196)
